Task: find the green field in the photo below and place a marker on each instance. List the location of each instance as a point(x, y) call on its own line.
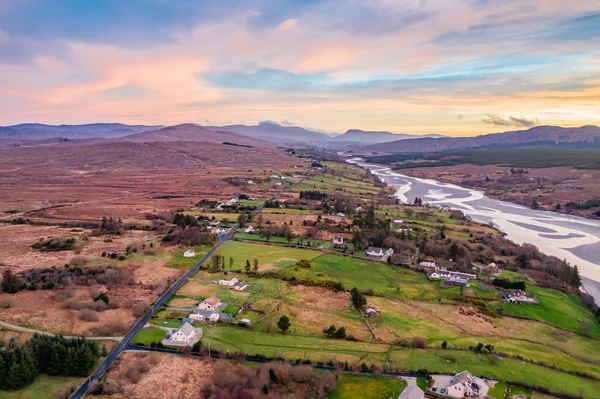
point(178, 261)
point(557, 308)
point(268, 256)
point(165, 323)
point(435, 360)
point(44, 387)
point(383, 279)
point(357, 386)
point(148, 335)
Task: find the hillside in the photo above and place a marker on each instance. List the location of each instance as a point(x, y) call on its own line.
point(276, 133)
point(188, 132)
point(373, 137)
point(36, 131)
point(537, 134)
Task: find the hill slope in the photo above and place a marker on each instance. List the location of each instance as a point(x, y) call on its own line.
point(36, 131)
point(275, 133)
point(537, 134)
point(373, 137)
point(192, 133)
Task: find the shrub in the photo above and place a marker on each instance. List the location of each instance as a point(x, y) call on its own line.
point(88, 315)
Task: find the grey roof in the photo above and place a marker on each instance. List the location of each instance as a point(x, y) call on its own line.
point(186, 329)
point(374, 249)
point(412, 392)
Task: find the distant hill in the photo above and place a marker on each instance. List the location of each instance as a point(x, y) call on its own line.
point(537, 134)
point(36, 131)
point(275, 133)
point(372, 137)
point(192, 133)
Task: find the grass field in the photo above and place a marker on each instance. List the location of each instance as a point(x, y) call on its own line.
point(148, 335)
point(44, 387)
point(269, 256)
point(357, 386)
point(557, 308)
point(384, 280)
point(165, 323)
point(178, 261)
point(435, 360)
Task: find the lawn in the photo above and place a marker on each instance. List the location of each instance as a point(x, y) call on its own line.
point(165, 323)
point(148, 335)
point(44, 387)
point(269, 256)
point(231, 309)
point(357, 386)
point(557, 308)
point(178, 261)
point(383, 279)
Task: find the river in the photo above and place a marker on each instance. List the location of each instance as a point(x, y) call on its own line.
point(572, 238)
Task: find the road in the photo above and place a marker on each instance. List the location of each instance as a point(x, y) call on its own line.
point(125, 342)
point(34, 331)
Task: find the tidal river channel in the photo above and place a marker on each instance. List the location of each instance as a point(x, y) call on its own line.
point(575, 239)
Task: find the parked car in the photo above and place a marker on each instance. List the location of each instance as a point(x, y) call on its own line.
point(442, 390)
point(434, 388)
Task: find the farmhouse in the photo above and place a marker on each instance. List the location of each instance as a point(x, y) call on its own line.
point(337, 240)
point(229, 283)
point(374, 252)
point(189, 253)
point(518, 297)
point(412, 392)
point(184, 334)
point(210, 303)
point(249, 229)
point(464, 384)
point(440, 274)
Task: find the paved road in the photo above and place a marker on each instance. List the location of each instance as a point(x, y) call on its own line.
point(125, 342)
point(34, 331)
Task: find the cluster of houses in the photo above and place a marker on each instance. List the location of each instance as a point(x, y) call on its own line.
point(233, 284)
point(449, 278)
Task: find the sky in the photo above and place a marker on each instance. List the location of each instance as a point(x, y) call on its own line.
point(455, 67)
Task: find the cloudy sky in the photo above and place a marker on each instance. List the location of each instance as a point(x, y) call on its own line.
point(459, 67)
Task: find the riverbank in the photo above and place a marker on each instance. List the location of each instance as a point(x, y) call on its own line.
point(564, 236)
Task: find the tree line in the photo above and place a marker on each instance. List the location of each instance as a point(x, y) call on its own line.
point(54, 355)
point(313, 195)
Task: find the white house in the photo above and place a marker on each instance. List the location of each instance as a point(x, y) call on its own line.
point(229, 283)
point(398, 221)
point(337, 240)
point(196, 317)
point(371, 312)
point(249, 229)
point(214, 317)
point(465, 385)
point(278, 184)
point(447, 275)
point(189, 253)
point(519, 297)
point(430, 264)
point(210, 303)
point(215, 223)
point(412, 392)
point(250, 182)
point(185, 333)
point(375, 252)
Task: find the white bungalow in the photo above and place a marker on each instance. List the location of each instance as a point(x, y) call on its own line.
point(375, 252)
point(338, 240)
point(214, 317)
point(249, 229)
point(197, 317)
point(189, 253)
point(229, 283)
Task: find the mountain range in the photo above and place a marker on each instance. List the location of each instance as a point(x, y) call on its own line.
point(546, 134)
point(268, 134)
